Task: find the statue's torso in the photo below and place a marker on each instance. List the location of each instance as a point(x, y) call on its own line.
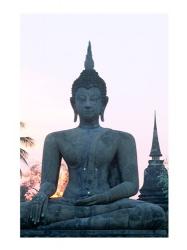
point(89, 154)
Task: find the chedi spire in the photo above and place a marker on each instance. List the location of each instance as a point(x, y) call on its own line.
point(89, 63)
point(155, 149)
point(153, 189)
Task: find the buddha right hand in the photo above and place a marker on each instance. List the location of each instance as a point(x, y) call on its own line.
point(38, 207)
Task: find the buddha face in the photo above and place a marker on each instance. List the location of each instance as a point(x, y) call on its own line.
point(88, 103)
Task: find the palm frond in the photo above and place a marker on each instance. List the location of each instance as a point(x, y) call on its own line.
point(23, 155)
point(27, 141)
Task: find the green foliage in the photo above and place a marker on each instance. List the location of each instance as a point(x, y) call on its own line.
point(27, 142)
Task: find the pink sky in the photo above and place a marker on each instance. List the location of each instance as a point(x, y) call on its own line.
point(130, 53)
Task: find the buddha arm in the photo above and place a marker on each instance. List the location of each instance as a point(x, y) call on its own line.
point(50, 165)
point(127, 163)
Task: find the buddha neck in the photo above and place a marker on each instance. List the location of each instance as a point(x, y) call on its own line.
point(89, 125)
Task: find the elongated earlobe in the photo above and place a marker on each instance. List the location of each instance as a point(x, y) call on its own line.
point(105, 101)
point(102, 116)
point(75, 116)
point(72, 100)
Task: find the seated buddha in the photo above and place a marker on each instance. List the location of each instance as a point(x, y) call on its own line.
point(103, 171)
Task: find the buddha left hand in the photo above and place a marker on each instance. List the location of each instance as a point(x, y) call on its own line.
point(93, 200)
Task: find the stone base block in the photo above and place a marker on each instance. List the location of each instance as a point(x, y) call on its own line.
point(93, 233)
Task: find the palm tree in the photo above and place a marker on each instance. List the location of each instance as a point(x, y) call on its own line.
point(27, 142)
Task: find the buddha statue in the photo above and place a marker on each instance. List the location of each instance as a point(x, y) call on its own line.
point(103, 171)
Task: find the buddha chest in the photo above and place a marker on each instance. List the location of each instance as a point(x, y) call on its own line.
point(81, 147)
point(88, 154)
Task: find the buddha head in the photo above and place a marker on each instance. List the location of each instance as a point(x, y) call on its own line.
point(89, 97)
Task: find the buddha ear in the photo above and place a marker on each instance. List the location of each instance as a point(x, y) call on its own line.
point(102, 116)
point(75, 116)
point(105, 101)
point(72, 100)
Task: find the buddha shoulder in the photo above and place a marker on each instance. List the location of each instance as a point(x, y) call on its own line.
point(60, 136)
point(122, 137)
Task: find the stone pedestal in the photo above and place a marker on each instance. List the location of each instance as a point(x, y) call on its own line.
point(93, 233)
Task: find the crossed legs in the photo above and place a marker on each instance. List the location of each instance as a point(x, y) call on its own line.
point(124, 213)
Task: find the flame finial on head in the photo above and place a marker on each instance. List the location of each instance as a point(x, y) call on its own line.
point(89, 63)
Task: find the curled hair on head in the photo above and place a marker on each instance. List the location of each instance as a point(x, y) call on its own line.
point(89, 79)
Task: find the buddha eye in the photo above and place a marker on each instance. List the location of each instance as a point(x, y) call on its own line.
point(94, 98)
point(82, 98)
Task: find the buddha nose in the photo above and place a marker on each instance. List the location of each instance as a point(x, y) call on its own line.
point(88, 104)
